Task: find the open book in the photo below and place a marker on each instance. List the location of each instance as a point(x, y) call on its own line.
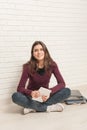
point(43, 91)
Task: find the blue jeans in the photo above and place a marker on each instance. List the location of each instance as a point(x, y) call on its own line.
point(27, 102)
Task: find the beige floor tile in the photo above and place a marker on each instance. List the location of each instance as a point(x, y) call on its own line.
point(74, 117)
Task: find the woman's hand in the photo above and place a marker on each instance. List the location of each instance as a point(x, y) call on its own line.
point(44, 98)
point(35, 94)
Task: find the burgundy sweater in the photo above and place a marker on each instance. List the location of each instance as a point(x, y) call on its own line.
point(36, 81)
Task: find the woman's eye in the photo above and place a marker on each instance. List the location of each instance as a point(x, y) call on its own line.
point(41, 49)
point(35, 50)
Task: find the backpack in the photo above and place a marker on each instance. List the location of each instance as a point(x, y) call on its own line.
point(75, 98)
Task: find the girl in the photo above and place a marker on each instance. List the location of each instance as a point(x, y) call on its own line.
point(38, 72)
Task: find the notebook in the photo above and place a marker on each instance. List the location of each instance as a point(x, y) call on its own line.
point(43, 91)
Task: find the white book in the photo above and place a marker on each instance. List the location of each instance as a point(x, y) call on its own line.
point(43, 91)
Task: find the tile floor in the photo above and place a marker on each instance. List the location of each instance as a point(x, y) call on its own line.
point(74, 117)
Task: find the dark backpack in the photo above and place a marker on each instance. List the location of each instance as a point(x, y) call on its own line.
point(75, 98)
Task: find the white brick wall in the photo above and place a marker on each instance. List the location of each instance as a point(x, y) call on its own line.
point(61, 24)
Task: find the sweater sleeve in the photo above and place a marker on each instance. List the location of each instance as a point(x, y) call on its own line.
point(59, 78)
point(22, 83)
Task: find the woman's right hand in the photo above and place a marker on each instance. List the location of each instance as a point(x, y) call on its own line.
point(35, 94)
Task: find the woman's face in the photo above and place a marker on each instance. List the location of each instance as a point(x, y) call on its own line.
point(38, 52)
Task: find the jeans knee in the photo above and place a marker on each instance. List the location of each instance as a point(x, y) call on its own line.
point(15, 96)
point(68, 91)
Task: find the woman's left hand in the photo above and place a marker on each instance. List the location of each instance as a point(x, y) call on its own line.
point(44, 98)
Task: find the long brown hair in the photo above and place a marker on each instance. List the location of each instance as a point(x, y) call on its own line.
point(48, 61)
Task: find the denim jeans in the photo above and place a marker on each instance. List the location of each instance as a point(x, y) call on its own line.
point(27, 102)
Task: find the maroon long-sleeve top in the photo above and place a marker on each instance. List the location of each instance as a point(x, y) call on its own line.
point(36, 80)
